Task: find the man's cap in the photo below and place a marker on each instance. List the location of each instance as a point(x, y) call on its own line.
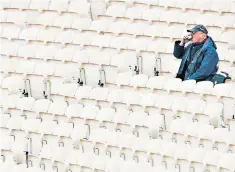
point(198, 28)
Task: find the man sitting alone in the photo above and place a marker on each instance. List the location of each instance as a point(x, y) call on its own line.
point(199, 57)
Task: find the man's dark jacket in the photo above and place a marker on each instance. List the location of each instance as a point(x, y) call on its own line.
point(200, 65)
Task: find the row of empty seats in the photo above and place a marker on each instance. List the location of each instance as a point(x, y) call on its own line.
point(74, 6)
point(208, 5)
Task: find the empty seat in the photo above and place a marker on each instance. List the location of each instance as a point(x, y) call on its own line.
point(65, 37)
point(64, 21)
point(73, 111)
point(164, 102)
point(13, 83)
point(155, 82)
point(11, 32)
point(204, 87)
point(83, 92)
point(220, 7)
point(171, 16)
point(139, 44)
point(25, 103)
point(118, 27)
point(120, 43)
point(29, 34)
point(167, 3)
point(132, 98)
point(27, 51)
point(99, 94)
point(139, 80)
point(136, 29)
point(81, 24)
point(9, 49)
point(41, 105)
point(57, 108)
point(83, 38)
point(39, 4)
point(100, 57)
point(185, 4)
point(222, 90)
point(25, 67)
point(46, 52)
point(195, 106)
point(134, 13)
point(213, 109)
point(89, 112)
point(116, 11)
point(101, 41)
point(105, 115)
point(187, 86)
point(152, 14)
point(81, 56)
point(172, 84)
point(226, 162)
point(47, 18)
point(155, 30)
point(23, 4)
point(202, 5)
point(82, 8)
point(48, 35)
point(123, 78)
point(59, 6)
point(148, 100)
point(65, 54)
point(44, 69)
point(115, 96)
point(100, 25)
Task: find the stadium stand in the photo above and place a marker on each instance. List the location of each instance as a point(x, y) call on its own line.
point(89, 86)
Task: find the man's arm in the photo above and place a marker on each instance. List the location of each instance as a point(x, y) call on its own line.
point(179, 49)
point(208, 65)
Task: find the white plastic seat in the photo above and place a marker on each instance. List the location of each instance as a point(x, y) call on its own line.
point(118, 27)
point(59, 6)
point(13, 83)
point(170, 16)
point(24, 66)
point(63, 129)
point(224, 21)
point(99, 94)
point(156, 30)
point(46, 128)
point(11, 32)
point(189, 17)
point(212, 158)
point(25, 103)
point(65, 37)
point(79, 132)
point(3, 16)
point(139, 44)
point(105, 115)
point(100, 25)
point(202, 5)
point(6, 66)
point(81, 56)
point(47, 19)
point(46, 52)
point(121, 116)
point(16, 17)
point(57, 108)
point(222, 90)
point(124, 61)
point(134, 13)
point(174, 31)
point(41, 105)
point(82, 8)
point(73, 110)
point(137, 119)
point(69, 89)
point(39, 4)
point(179, 126)
point(89, 112)
point(179, 104)
point(10, 101)
point(44, 69)
point(101, 41)
point(230, 56)
point(48, 35)
point(65, 54)
point(115, 96)
point(220, 7)
point(116, 11)
point(196, 155)
point(100, 162)
point(152, 14)
point(27, 51)
point(83, 92)
point(100, 57)
point(66, 71)
point(123, 78)
point(185, 4)
point(139, 80)
point(15, 123)
point(31, 125)
point(167, 3)
point(215, 33)
point(9, 49)
point(158, 46)
point(155, 82)
point(226, 35)
point(136, 29)
point(172, 84)
point(81, 24)
point(154, 121)
point(132, 98)
point(64, 21)
point(83, 38)
point(29, 34)
point(195, 106)
point(164, 102)
point(148, 100)
point(213, 109)
point(23, 4)
point(204, 87)
point(227, 162)
point(187, 86)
